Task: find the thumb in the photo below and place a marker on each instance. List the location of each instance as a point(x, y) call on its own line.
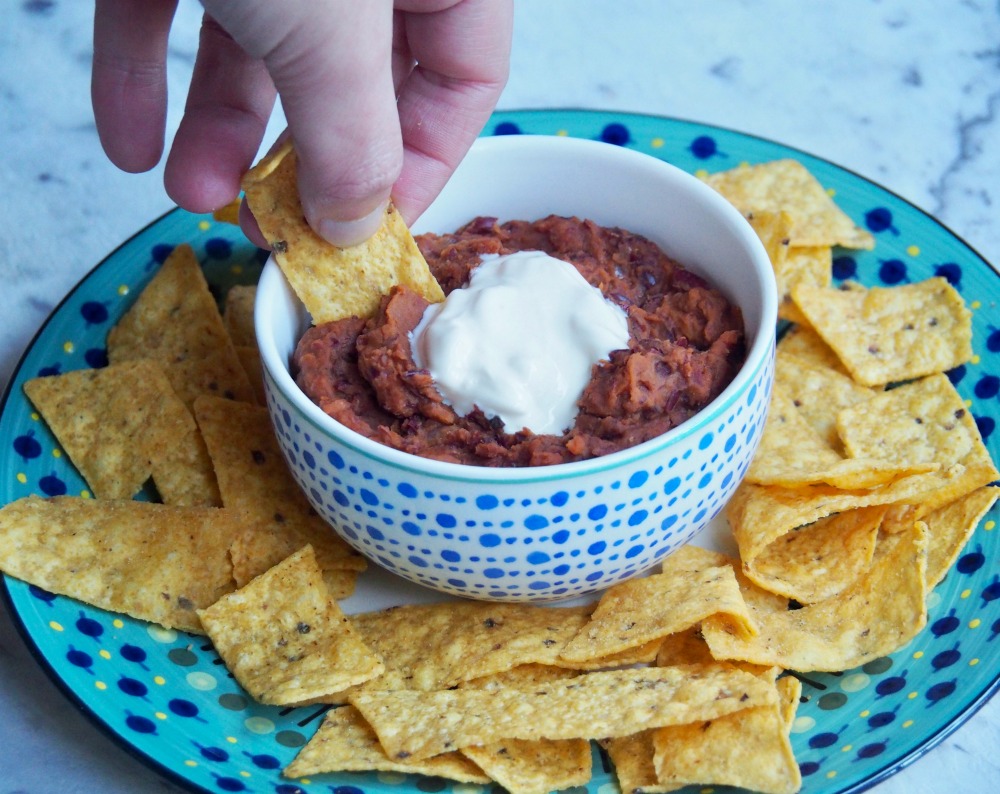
point(331, 64)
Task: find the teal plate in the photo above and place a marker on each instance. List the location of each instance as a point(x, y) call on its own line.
point(166, 696)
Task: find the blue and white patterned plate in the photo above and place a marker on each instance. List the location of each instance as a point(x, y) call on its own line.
point(166, 696)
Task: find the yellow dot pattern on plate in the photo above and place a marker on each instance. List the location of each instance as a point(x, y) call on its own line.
point(204, 225)
point(391, 778)
point(657, 143)
point(100, 685)
point(159, 680)
point(55, 626)
point(68, 347)
point(908, 724)
point(864, 713)
point(189, 762)
point(57, 453)
point(913, 695)
point(104, 654)
point(118, 623)
point(974, 623)
point(847, 748)
point(973, 662)
point(913, 250)
point(562, 133)
point(231, 739)
point(244, 773)
point(855, 682)
point(123, 290)
point(831, 774)
point(988, 526)
point(160, 715)
point(21, 478)
point(918, 655)
point(966, 593)
point(160, 634)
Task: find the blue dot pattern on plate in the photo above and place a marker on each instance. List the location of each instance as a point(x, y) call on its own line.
point(165, 695)
point(506, 540)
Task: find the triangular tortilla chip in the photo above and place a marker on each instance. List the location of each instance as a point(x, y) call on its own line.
point(332, 283)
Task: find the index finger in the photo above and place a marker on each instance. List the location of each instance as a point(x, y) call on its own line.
point(462, 52)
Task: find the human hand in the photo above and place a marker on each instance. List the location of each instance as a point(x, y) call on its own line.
point(381, 98)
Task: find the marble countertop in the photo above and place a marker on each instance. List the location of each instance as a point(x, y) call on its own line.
point(904, 93)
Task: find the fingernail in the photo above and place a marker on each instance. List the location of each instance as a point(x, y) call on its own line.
point(347, 233)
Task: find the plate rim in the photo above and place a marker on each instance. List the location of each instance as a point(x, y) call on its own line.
point(974, 705)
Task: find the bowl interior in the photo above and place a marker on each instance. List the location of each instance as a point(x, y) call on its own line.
point(529, 177)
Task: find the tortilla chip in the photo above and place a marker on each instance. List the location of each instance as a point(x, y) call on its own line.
point(803, 265)
point(818, 392)
point(154, 562)
point(950, 527)
point(633, 756)
point(523, 766)
point(283, 637)
point(747, 749)
point(435, 646)
point(121, 425)
point(254, 368)
point(759, 514)
point(332, 283)
point(818, 561)
point(876, 615)
point(793, 454)
point(176, 321)
point(413, 724)
point(924, 421)
point(345, 743)
point(888, 334)
point(254, 479)
point(229, 213)
point(788, 186)
point(803, 342)
point(637, 611)
point(237, 314)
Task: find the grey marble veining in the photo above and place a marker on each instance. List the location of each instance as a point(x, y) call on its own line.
point(904, 93)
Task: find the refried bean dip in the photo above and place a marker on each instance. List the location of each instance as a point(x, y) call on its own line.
point(686, 345)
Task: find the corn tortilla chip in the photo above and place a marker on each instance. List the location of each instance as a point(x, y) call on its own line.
point(283, 637)
point(254, 479)
point(229, 213)
point(524, 766)
point(413, 724)
point(793, 454)
point(435, 646)
point(637, 611)
point(803, 342)
point(818, 391)
point(237, 314)
point(888, 334)
point(950, 527)
point(817, 561)
point(176, 321)
point(332, 283)
point(633, 756)
point(345, 743)
point(747, 749)
point(121, 425)
point(875, 616)
point(788, 186)
point(803, 265)
point(154, 562)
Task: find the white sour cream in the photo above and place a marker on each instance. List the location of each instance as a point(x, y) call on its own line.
point(519, 341)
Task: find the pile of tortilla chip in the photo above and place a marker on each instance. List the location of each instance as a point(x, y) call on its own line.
point(870, 478)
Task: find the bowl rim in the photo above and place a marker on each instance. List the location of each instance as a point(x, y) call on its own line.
point(273, 283)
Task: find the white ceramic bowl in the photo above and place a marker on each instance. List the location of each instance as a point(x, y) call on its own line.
point(558, 531)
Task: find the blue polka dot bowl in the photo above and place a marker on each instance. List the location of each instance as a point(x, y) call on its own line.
point(545, 533)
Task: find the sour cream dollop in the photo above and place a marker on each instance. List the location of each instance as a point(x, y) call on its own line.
point(519, 341)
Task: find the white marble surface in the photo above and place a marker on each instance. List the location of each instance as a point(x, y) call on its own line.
point(904, 92)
